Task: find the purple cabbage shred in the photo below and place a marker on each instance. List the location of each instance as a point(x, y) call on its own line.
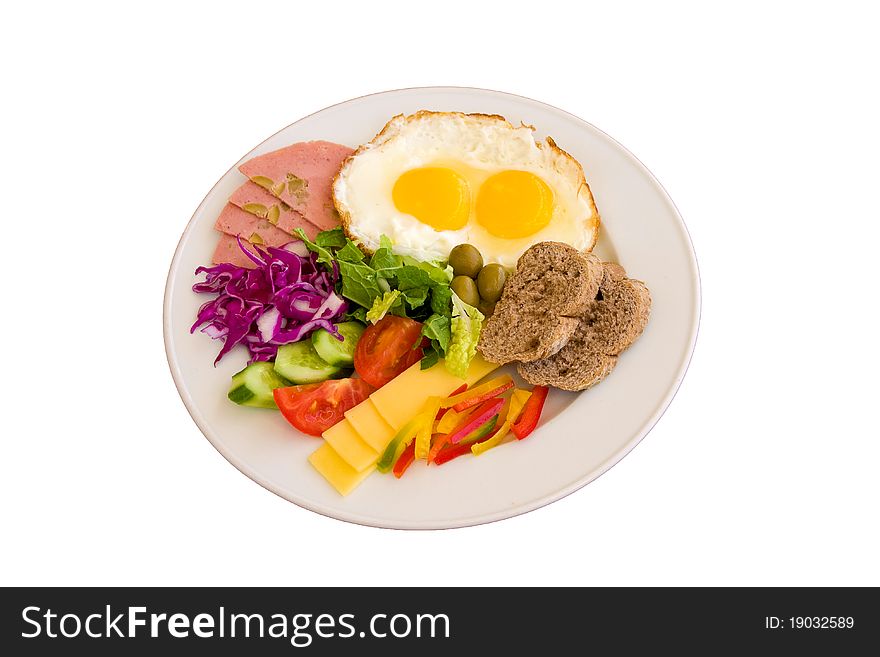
point(286, 297)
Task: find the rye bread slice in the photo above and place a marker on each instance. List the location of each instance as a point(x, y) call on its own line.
point(552, 287)
point(613, 322)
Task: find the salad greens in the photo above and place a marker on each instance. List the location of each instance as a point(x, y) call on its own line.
point(466, 324)
point(381, 306)
point(386, 282)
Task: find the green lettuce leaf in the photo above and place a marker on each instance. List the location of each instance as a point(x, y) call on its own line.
point(409, 277)
point(383, 260)
point(438, 273)
point(416, 296)
point(438, 328)
point(359, 283)
point(324, 255)
point(441, 300)
point(383, 305)
point(350, 253)
point(466, 324)
point(385, 282)
point(430, 358)
point(333, 238)
point(359, 313)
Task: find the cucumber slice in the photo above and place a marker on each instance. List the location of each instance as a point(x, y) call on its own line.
point(253, 386)
point(300, 363)
point(338, 352)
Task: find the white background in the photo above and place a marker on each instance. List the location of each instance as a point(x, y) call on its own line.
point(761, 121)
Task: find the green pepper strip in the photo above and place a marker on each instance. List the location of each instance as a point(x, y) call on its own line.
point(395, 448)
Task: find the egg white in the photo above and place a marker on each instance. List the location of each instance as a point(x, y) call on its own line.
point(476, 146)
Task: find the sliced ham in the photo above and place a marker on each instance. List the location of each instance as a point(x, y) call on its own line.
point(301, 175)
point(256, 200)
point(235, 221)
point(228, 251)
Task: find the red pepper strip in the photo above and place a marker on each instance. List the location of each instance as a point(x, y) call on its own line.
point(531, 413)
point(443, 438)
point(406, 459)
point(451, 452)
point(497, 382)
point(460, 389)
point(454, 451)
point(466, 425)
point(479, 399)
point(478, 418)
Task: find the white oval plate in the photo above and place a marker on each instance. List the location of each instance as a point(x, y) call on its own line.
point(581, 436)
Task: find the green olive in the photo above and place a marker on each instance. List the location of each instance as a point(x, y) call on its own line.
point(465, 261)
point(490, 282)
point(486, 307)
point(466, 290)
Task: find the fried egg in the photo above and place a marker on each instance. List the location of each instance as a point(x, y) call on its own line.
point(433, 180)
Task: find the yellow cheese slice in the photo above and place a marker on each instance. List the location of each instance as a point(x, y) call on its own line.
point(394, 404)
point(346, 442)
point(370, 426)
point(340, 474)
point(402, 397)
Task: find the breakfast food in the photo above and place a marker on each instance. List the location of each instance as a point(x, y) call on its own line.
point(433, 180)
point(466, 289)
point(491, 281)
point(355, 444)
point(252, 198)
point(235, 221)
point(473, 282)
point(610, 325)
point(300, 175)
point(541, 304)
point(259, 214)
point(374, 328)
point(284, 298)
point(466, 260)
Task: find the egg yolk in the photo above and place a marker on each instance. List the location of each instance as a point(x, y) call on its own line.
point(436, 196)
point(513, 204)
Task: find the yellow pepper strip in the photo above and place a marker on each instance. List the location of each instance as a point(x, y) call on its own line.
point(523, 396)
point(502, 414)
point(449, 421)
point(497, 382)
point(517, 402)
point(426, 424)
point(452, 417)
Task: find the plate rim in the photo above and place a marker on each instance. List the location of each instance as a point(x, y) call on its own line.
point(549, 498)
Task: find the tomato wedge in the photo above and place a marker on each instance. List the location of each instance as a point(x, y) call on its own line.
point(316, 407)
point(387, 348)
